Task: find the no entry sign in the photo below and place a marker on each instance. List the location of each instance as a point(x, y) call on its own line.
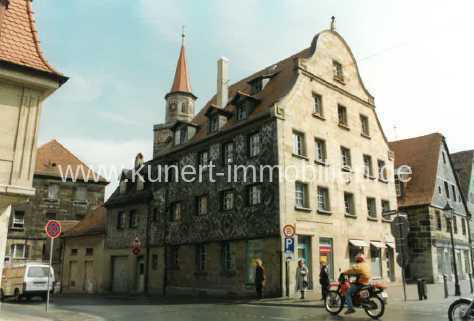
point(53, 229)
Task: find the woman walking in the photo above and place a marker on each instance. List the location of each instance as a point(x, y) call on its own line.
point(301, 278)
point(259, 278)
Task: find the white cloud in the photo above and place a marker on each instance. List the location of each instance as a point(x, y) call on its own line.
point(117, 118)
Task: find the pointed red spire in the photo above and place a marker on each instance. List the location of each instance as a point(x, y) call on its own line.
point(181, 81)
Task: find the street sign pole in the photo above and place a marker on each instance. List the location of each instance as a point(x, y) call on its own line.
point(49, 271)
point(400, 229)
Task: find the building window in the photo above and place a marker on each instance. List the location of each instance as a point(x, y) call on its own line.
point(74, 252)
point(175, 212)
point(398, 187)
point(53, 191)
point(338, 70)
point(371, 207)
point(18, 220)
point(463, 226)
point(255, 195)
point(133, 219)
point(318, 105)
point(298, 144)
point(242, 112)
point(385, 206)
point(382, 170)
point(173, 257)
point(213, 123)
point(81, 194)
point(376, 261)
point(202, 204)
point(201, 257)
point(455, 196)
point(254, 251)
point(254, 145)
point(228, 200)
point(183, 135)
point(89, 251)
point(364, 122)
point(154, 262)
point(51, 216)
point(438, 220)
point(120, 220)
point(228, 155)
point(326, 255)
point(321, 153)
point(301, 195)
point(226, 257)
point(204, 158)
point(346, 158)
point(342, 115)
point(446, 189)
point(455, 224)
point(18, 251)
point(323, 199)
point(349, 204)
point(368, 168)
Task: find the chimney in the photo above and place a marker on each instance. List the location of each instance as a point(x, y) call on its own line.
point(222, 82)
point(3, 8)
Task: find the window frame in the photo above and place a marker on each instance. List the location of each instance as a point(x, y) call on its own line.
point(226, 160)
point(224, 201)
point(199, 204)
point(18, 223)
point(254, 142)
point(318, 107)
point(254, 200)
point(346, 158)
point(317, 150)
point(372, 201)
point(338, 70)
point(370, 167)
point(342, 116)
point(349, 204)
point(299, 143)
point(327, 201)
point(304, 193)
point(364, 124)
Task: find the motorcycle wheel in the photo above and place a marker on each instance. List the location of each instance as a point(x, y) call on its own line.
point(376, 309)
point(334, 303)
point(458, 308)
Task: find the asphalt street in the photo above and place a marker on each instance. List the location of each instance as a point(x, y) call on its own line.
point(146, 309)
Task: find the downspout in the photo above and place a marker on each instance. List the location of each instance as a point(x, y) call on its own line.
point(147, 247)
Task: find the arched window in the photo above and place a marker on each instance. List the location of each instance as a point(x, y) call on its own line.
point(184, 107)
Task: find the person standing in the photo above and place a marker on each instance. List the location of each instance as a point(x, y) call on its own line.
point(259, 278)
point(301, 278)
point(324, 280)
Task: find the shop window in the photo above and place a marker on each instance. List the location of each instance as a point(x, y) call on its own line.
point(254, 251)
point(326, 255)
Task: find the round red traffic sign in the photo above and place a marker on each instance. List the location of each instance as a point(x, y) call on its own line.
point(53, 229)
point(136, 246)
point(289, 230)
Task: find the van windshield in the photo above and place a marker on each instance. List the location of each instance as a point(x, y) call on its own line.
point(38, 272)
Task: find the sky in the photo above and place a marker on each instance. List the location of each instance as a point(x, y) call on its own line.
point(415, 58)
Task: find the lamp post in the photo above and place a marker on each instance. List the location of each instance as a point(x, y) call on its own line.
point(449, 214)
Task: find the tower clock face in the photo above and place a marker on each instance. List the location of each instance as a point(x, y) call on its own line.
point(163, 136)
point(173, 106)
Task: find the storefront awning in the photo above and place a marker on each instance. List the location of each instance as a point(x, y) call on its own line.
point(377, 244)
point(390, 245)
point(358, 243)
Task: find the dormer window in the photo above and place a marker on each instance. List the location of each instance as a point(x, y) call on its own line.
point(242, 112)
point(181, 135)
point(213, 123)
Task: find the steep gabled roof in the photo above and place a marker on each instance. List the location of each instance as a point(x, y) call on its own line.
point(19, 42)
point(463, 164)
point(422, 155)
point(92, 224)
point(55, 160)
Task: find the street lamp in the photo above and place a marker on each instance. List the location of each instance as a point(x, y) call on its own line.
point(449, 214)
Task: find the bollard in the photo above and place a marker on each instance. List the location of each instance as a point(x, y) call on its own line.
point(425, 290)
point(445, 282)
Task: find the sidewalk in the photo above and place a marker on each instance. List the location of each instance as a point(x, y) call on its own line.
point(9, 316)
point(395, 293)
point(18, 312)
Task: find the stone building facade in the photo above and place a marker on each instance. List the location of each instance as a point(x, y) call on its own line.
point(60, 195)
point(26, 80)
point(432, 185)
point(309, 111)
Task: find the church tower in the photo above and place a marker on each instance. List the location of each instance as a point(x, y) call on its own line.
point(180, 100)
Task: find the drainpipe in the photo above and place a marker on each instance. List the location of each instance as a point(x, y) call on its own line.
point(147, 247)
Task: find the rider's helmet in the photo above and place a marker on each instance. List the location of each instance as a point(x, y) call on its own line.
point(360, 258)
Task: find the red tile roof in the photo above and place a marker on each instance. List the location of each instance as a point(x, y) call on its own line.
point(422, 155)
point(181, 81)
point(92, 224)
point(55, 160)
point(19, 42)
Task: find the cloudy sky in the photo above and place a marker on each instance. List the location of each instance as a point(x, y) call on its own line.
point(415, 57)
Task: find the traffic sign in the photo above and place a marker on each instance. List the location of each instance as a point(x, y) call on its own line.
point(289, 247)
point(53, 229)
point(289, 230)
point(136, 246)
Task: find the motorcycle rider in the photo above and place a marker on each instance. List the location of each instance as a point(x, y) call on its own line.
point(361, 270)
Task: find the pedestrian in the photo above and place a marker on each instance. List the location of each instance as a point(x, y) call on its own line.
point(301, 278)
point(259, 278)
point(324, 280)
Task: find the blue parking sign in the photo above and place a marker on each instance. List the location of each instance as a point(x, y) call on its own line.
point(290, 245)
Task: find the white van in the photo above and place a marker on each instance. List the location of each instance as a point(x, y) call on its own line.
point(26, 281)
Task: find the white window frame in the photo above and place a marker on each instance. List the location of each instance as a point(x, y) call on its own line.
point(53, 191)
point(254, 145)
point(255, 195)
point(349, 204)
point(228, 200)
point(371, 207)
point(318, 105)
point(228, 150)
point(299, 146)
point(321, 151)
point(301, 195)
point(324, 203)
point(364, 124)
point(203, 202)
point(346, 158)
point(14, 251)
point(18, 223)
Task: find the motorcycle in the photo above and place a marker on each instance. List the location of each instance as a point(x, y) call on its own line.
point(371, 298)
point(461, 310)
